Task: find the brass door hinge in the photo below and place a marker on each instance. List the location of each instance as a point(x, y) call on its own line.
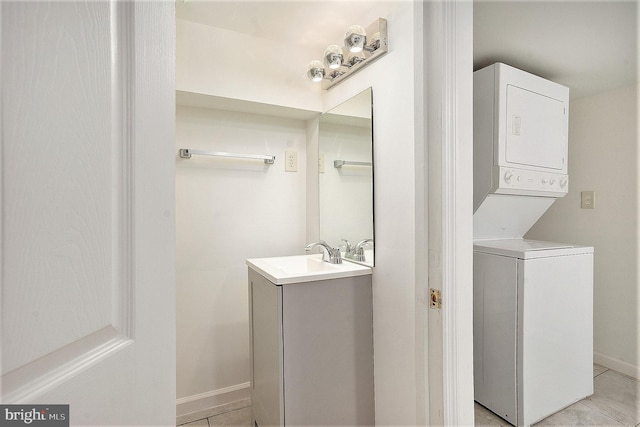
point(435, 300)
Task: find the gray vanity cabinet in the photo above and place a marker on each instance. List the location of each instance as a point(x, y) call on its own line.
point(311, 352)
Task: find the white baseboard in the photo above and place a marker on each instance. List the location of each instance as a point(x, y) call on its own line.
point(617, 365)
point(204, 405)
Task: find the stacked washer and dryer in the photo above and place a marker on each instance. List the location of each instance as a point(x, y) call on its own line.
point(533, 300)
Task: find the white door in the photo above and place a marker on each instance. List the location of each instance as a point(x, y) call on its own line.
point(87, 205)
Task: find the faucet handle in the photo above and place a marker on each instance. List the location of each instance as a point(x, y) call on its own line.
point(358, 250)
point(363, 242)
point(332, 253)
point(348, 249)
point(335, 256)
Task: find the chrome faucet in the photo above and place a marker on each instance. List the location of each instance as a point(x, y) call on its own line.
point(332, 253)
point(348, 250)
point(358, 250)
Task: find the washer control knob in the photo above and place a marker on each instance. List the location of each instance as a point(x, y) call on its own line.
point(563, 182)
point(552, 181)
point(544, 180)
point(508, 176)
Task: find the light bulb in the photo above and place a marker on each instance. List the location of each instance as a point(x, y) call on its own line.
point(355, 38)
point(315, 71)
point(333, 57)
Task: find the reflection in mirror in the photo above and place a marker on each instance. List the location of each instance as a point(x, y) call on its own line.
point(346, 178)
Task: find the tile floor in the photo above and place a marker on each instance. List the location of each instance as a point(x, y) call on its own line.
point(615, 402)
point(236, 417)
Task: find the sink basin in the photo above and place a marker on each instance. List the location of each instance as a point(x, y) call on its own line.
point(304, 268)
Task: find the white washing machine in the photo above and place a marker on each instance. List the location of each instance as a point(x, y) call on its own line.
point(533, 301)
point(533, 343)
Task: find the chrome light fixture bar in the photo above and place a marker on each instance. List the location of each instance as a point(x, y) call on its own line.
point(361, 48)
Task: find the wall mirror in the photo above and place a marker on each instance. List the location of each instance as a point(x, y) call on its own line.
point(345, 145)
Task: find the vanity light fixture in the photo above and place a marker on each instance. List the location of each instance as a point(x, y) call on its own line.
point(315, 71)
point(355, 58)
point(361, 49)
point(333, 57)
point(355, 38)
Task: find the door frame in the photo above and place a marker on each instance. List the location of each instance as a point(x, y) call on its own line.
point(448, 79)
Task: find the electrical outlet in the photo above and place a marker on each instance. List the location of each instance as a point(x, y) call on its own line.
point(588, 200)
point(290, 161)
point(321, 163)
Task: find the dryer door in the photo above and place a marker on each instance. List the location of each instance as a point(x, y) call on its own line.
point(536, 130)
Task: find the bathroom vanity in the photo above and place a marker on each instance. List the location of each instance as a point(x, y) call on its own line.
point(311, 342)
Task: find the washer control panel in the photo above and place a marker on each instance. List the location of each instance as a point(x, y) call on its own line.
point(529, 182)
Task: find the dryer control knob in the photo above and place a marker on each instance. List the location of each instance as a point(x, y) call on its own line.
point(507, 177)
point(544, 180)
point(563, 182)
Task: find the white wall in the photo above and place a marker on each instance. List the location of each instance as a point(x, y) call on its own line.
point(399, 374)
point(228, 210)
point(399, 279)
point(225, 63)
point(603, 156)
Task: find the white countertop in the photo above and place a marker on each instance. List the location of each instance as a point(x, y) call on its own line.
point(304, 268)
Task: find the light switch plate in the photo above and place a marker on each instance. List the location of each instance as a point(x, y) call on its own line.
point(588, 200)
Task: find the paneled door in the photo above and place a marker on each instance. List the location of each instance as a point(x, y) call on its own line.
point(87, 208)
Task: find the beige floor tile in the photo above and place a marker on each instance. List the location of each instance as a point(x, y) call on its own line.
point(578, 414)
point(239, 417)
point(211, 412)
point(199, 423)
point(616, 402)
point(616, 396)
point(598, 369)
point(485, 417)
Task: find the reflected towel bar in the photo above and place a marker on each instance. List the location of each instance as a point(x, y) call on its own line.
point(340, 163)
point(186, 153)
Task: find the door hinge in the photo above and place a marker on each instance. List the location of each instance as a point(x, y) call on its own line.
point(435, 300)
